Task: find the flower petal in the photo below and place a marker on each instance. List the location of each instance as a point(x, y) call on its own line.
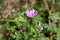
point(31, 13)
point(40, 27)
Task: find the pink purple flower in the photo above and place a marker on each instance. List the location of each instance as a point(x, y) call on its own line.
point(31, 13)
point(40, 26)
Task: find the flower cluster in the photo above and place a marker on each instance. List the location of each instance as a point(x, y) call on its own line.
point(31, 13)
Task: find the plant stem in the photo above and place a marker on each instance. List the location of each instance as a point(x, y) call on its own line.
point(51, 37)
point(47, 8)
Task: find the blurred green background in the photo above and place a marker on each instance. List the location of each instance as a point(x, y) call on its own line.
point(14, 22)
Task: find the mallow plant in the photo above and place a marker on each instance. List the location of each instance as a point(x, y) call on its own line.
point(28, 25)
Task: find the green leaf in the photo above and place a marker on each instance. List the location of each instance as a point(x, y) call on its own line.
point(55, 16)
point(58, 38)
point(22, 19)
point(33, 30)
